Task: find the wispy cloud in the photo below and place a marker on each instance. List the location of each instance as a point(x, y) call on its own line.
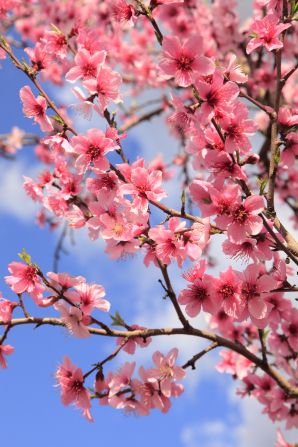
point(13, 198)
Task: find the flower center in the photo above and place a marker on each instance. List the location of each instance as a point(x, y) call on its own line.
point(77, 386)
point(212, 99)
point(38, 110)
point(31, 273)
point(93, 152)
point(184, 63)
point(227, 291)
point(293, 329)
point(89, 70)
point(201, 294)
point(240, 214)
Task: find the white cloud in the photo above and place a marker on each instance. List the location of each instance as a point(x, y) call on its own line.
point(13, 198)
point(254, 430)
point(257, 430)
point(210, 434)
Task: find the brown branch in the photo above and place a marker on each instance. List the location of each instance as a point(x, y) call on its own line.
point(22, 305)
point(32, 76)
point(171, 294)
point(107, 359)
point(192, 362)
point(258, 104)
point(263, 345)
point(145, 117)
point(290, 389)
point(148, 13)
point(7, 329)
point(279, 243)
point(289, 74)
point(292, 244)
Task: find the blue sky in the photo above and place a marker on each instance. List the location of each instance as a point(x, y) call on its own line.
point(31, 412)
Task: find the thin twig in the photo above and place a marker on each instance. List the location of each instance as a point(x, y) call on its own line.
point(263, 345)
point(192, 362)
point(107, 359)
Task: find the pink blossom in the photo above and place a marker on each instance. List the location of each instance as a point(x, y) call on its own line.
point(5, 350)
point(75, 217)
point(90, 296)
point(237, 129)
point(64, 280)
point(40, 58)
point(281, 442)
point(55, 43)
point(144, 185)
point(290, 328)
point(165, 371)
point(157, 164)
point(234, 364)
point(168, 246)
point(118, 228)
point(86, 65)
point(24, 278)
point(150, 393)
point(233, 71)
point(223, 166)
point(255, 287)
point(217, 97)
point(92, 149)
point(33, 189)
point(121, 249)
point(6, 309)
point(185, 60)
point(266, 32)
point(121, 379)
point(35, 108)
point(122, 12)
point(213, 201)
point(244, 219)
point(71, 380)
point(287, 117)
point(182, 118)
point(131, 345)
point(196, 239)
point(281, 308)
point(74, 319)
point(228, 292)
point(290, 151)
point(13, 141)
point(105, 186)
point(199, 295)
point(105, 86)
point(166, 2)
point(248, 249)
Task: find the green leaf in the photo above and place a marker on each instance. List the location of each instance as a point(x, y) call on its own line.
point(277, 156)
point(58, 119)
point(56, 29)
point(4, 42)
point(266, 332)
point(262, 184)
point(117, 320)
point(294, 7)
point(25, 257)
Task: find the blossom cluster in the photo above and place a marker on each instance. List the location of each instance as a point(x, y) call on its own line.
point(221, 88)
point(120, 390)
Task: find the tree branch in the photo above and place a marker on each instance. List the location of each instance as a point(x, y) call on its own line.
point(289, 389)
